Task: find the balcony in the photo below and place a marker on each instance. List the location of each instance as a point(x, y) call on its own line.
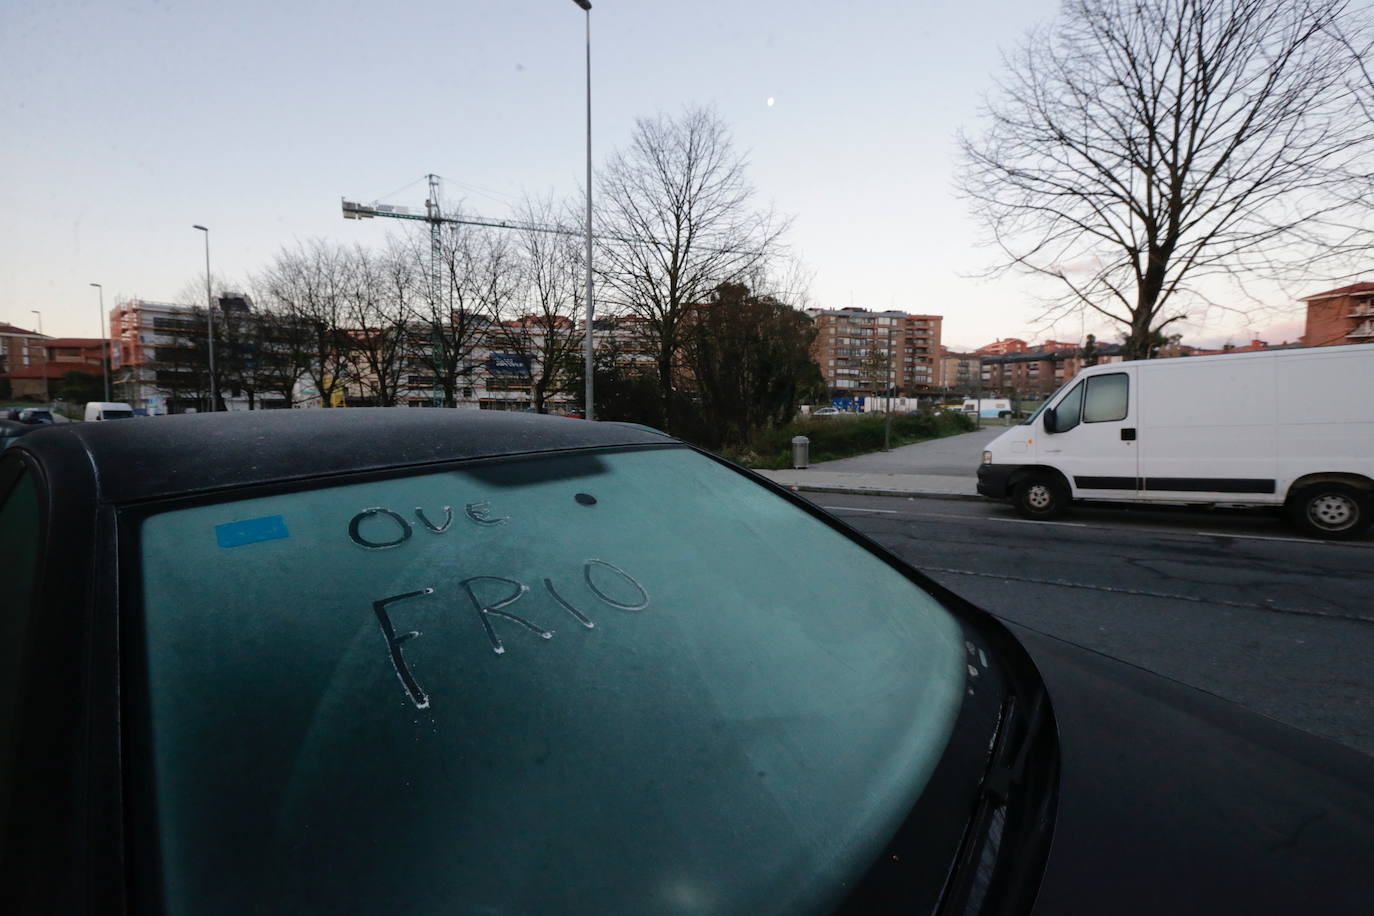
point(1362, 331)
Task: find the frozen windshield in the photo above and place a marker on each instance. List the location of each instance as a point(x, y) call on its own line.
point(616, 682)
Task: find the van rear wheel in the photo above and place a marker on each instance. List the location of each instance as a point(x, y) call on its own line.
point(1334, 511)
point(1040, 497)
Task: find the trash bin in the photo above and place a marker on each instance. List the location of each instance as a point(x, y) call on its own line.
point(801, 452)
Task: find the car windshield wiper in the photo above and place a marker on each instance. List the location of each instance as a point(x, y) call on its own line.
point(1013, 809)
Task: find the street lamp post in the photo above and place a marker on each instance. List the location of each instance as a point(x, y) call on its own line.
point(210, 313)
point(590, 360)
point(104, 340)
point(887, 421)
point(43, 351)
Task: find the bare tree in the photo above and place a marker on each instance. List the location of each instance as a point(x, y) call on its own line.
point(284, 347)
point(383, 292)
point(456, 313)
point(677, 220)
point(308, 288)
point(540, 327)
point(1147, 144)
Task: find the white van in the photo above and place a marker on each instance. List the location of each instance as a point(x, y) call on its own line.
point(988, 408)
point(107, 410)
point(1284, 428)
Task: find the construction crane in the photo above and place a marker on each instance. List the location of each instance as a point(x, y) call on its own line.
point(437, 220)
point(354, 210)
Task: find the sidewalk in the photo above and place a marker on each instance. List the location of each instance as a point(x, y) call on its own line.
point(941, 468)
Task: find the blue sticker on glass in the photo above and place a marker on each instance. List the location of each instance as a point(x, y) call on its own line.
point(251, 531)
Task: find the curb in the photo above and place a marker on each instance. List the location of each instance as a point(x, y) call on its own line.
point(877, 491)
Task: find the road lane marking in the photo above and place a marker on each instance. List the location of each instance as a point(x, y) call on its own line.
point(1158, 528)
point(858, 509)
point(1265, 537)
point(1142, 593)
point(1031, 521)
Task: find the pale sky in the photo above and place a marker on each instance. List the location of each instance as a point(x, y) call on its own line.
point(127, 121)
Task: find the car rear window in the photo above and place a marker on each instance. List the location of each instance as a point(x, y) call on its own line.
point(628, 681)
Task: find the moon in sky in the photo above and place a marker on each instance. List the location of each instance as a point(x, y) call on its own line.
point(770, 101)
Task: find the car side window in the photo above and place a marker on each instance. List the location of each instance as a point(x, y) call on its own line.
point(19, 545)
point(1067, 411)
point(1106, 398)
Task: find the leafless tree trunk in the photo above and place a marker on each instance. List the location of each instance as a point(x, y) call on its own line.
point(308, 289)
point(1146, 144)
point(456, 316)
point(677, 219)
point(540, 323)
point(382, 294)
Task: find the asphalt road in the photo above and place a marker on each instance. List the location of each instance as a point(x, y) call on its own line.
point(1233, 603)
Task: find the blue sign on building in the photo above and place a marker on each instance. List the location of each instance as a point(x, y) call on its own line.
point(507, 364)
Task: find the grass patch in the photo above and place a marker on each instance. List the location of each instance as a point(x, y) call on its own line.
point(845, 436)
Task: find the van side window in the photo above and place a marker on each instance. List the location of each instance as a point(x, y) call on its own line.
point(1066, 412)
point(1106, 398)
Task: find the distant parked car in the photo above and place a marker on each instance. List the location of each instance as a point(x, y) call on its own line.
point(827, 412)
point(108, 410)
point(36, 415)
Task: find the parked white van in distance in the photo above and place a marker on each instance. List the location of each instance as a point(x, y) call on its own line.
point(107, 410)
point(988, 408)
point(1291, 429)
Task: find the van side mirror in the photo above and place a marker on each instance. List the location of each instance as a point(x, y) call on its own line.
point(1050, 416)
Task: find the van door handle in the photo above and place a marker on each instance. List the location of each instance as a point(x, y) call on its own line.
point(1128, 435)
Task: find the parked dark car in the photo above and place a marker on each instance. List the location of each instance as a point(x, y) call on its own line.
point(10, 430)
point(36, 415)
point(438, 661)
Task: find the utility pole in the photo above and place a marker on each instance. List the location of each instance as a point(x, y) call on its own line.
point(887, 423)
point(43, 352)
point(589, 412)
point(104, 339)
point(210, 322)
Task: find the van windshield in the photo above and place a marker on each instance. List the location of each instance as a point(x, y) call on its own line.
point(611, 682)
point(1043, 404)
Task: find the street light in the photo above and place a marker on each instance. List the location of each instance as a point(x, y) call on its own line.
point(210, 312)
point(104, 340)
point(588, 413)
point(43, 351)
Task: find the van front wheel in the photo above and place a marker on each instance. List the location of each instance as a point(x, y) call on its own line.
point(1040, 497)
point(1334, 511)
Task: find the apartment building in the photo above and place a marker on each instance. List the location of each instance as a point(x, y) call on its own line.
point(18, 347)
point(143, 334)
point(158, 356)
point(35, 365)
point(959, 372)
point(1340, 316)
point(853, 347)
point(1040, 369)
point(1002, 346)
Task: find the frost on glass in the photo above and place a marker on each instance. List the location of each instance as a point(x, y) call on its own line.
point(628, 682)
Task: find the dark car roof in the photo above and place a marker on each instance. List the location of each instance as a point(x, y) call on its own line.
point(190, 453)
point(16, 428)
